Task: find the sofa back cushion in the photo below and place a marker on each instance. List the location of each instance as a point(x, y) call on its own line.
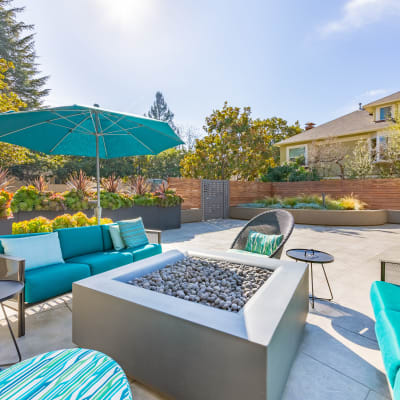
point(107, 242)
point(37, 251)
point(78, 241)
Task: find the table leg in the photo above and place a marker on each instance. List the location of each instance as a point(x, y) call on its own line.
point(327, 281)
point(312, 285)
point(12, 333)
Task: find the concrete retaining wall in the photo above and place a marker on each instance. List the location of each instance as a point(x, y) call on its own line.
point(192, 215)
point(326, 217)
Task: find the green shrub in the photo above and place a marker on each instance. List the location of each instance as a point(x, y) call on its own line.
point(5, 200)
point(292, 172)
point(26, 198)
point(41, 224)
point(311, 201)
point(115, 200)
point(63, 221)
point(77, 200)
point(35, 225)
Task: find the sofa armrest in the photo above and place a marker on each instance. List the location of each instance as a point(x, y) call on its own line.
point(153, 236)
point(12, 268)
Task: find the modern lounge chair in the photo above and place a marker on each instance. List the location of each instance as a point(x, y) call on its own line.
point(276, 222)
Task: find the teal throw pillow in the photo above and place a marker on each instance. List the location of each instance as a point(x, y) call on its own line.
point(133, 233)
point(116, 238)
point(262, 244)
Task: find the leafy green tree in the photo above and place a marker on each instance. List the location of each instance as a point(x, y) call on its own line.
point(9, 101)
point(17, 45)
point(359, 163)
point(236, 146)
point(291, 172)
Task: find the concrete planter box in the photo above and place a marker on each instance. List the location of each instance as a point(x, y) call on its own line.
point(321, 217)
point(6, 226)
point(192, 215)
point(160, 218)
point(192, 351)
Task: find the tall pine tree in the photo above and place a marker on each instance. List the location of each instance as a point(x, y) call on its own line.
point(160, 110)
point(17, 45)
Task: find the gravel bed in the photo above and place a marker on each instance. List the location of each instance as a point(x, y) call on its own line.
point(220, 284)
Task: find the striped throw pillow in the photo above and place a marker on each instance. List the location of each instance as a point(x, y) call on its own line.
point(133, 233)
point(262, 244)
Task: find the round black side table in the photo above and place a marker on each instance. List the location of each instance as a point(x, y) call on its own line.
point(313, 257)
point(9, 289)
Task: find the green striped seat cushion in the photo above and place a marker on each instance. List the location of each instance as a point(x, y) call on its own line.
point(133, 233)
point(65, 374)
point(262, 244)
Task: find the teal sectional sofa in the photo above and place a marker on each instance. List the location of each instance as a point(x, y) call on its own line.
point(86, 251)
point(385, 299)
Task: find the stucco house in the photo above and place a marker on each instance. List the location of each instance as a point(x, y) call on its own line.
point(369, 122)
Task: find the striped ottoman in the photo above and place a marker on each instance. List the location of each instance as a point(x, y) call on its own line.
point(79, 374)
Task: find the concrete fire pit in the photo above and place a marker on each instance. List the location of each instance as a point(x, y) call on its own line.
point(190, 350)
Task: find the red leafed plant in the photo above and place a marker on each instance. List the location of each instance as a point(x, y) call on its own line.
point(111, 184)
point(5, 179)
point(41, 184)
point(80, 182)
point(138, 185)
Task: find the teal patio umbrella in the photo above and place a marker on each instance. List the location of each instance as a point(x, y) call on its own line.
point(87, 131)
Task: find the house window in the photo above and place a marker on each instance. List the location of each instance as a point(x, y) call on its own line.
point(385, 113)
point(294, 153)
point(379, 147)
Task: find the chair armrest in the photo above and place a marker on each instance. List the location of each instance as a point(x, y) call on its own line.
point(153, 235)
point(390, 271)
point(12, 268)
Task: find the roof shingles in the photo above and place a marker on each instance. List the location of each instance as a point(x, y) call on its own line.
point(356, 122)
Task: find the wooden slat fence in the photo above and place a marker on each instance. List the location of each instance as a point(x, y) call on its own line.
point(189, 189)
point(377, 193)
point(246, 192)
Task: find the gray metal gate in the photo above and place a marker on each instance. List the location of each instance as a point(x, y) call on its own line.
point(215, 199)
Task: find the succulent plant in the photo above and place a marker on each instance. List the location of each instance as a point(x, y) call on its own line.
point(81, 183)
point(138, 185)
point(6, 180)
point(40, 184)
point(112, 184)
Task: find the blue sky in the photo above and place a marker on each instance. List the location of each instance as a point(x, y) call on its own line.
point(307, 60)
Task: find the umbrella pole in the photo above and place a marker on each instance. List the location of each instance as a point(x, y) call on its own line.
point(98, 209)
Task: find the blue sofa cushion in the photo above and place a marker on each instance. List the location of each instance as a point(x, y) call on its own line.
point(78, 241)
point(396, 387)
point(385, 296)
point(387, 330)
point(52, 280)
point(144, 251)
point(103, 261)
point(107, 242)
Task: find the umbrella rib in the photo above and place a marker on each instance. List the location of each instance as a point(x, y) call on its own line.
point(68, 133)
point(105, 147)
point(113, 122)
point(130, 134)
point(67, 119)
point(33, 125)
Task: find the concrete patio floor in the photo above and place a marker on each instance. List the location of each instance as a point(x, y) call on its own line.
point(339, 358)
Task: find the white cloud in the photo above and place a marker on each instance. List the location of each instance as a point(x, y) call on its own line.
point(375, 93)
point(358, 13)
